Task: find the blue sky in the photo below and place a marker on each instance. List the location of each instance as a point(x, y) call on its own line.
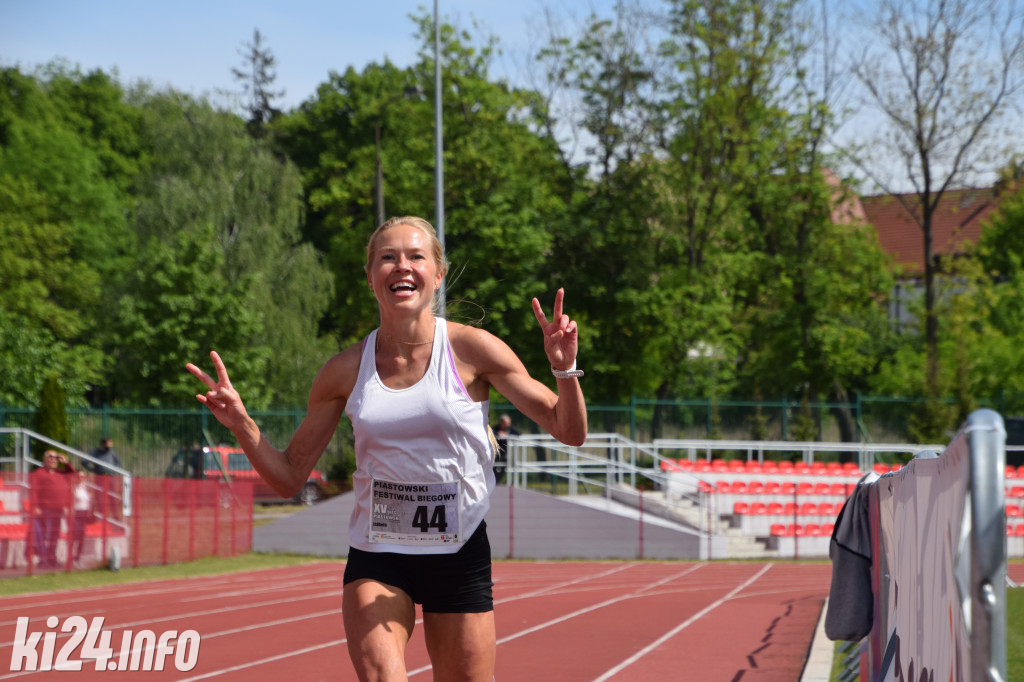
point(193, 45)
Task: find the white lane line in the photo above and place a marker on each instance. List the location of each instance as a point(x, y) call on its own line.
point(269, 659)
point(567, 583)
point(14, 603)
point(213, 595)
point(419, 621)
point(580, 612)
point(676, 630)
point(197, 614)
point(207, 637)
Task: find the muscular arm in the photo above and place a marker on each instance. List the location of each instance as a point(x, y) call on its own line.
point(562, 414)
point(490, 362)
point(285, 471)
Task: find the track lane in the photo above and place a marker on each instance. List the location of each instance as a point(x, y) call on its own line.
point(556, 620)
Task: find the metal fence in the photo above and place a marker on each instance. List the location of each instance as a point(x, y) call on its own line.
point(112, 519)
point(147, 439)
point(705, 495)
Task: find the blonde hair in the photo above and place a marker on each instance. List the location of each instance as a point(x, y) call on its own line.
point(436, 250)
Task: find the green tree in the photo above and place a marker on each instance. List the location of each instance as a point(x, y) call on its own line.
point(220, 266)
point(942, 74)
point(615, 249)
point(257, 77)
point(51, 418)
point(500, 201)
point(60, 218)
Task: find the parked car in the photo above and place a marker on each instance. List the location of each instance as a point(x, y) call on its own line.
point(225, 459)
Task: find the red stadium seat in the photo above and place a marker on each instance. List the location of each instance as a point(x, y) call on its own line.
point(739, 487)
point(788, 488)
point(758, 508)
point(779, 529)
point(827, 528)
point(785, 467)
point(719, 465)
point(685, 464)
point(1018, 530)
point(812, 529)
point(881, 468)
point(790, 508)
point(755, 488)
point(736, 466)
point(826, 509)
point(1016, 491)
point(808, 509)
point(753, 467)
point(805, 488)
point(740, 508)
point(1011, 471)
point(837, 489)
point(723, 487)
point(851, 469)
point(772, 488)
point(1012, 511)
point(775, 508)
point(822, 488)
point(770, 466)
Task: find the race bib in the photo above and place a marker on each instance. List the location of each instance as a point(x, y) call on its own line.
point(416, 513)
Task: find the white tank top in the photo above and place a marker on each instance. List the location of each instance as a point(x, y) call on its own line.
point(423, 475)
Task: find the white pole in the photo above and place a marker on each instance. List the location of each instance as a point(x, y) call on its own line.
point(438, 150)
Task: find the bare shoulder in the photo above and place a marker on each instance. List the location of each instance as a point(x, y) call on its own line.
point(480, 348)
point(337, 377)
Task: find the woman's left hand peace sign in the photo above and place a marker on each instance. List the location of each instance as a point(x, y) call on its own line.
point(560, 334)
point(222, 399)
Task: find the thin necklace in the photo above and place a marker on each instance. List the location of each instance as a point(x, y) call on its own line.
point(407, 343)
point(411, 343)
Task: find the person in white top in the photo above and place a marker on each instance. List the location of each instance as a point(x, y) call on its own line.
point(416, 390)
point(83, 513)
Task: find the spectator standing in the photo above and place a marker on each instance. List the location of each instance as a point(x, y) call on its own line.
point(49, 499)
point(502, 431)
point(105, 453)
point(82, 503)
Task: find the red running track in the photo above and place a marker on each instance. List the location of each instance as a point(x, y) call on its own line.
point(560, 621)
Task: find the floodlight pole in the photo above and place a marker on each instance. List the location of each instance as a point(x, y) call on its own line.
point(438, 151)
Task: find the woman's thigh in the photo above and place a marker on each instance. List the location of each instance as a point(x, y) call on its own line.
point(379, 621)
point(461, 645)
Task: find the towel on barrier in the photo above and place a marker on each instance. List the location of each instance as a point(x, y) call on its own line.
point(850, 600)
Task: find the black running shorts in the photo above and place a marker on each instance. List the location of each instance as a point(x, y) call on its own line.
point(442, 583)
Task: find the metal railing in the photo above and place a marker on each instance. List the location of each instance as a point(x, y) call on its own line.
point(606, 462)
point(24, 461)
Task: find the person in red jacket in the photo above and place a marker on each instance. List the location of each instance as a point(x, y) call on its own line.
point(49, 499)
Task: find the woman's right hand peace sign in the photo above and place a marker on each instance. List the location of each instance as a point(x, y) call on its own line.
point(561, 341)
point(222, 399)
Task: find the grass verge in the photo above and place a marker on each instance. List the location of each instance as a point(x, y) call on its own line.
point(1014, 640)
point(101, 577)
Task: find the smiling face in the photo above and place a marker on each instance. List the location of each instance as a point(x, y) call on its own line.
point(402, 266)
